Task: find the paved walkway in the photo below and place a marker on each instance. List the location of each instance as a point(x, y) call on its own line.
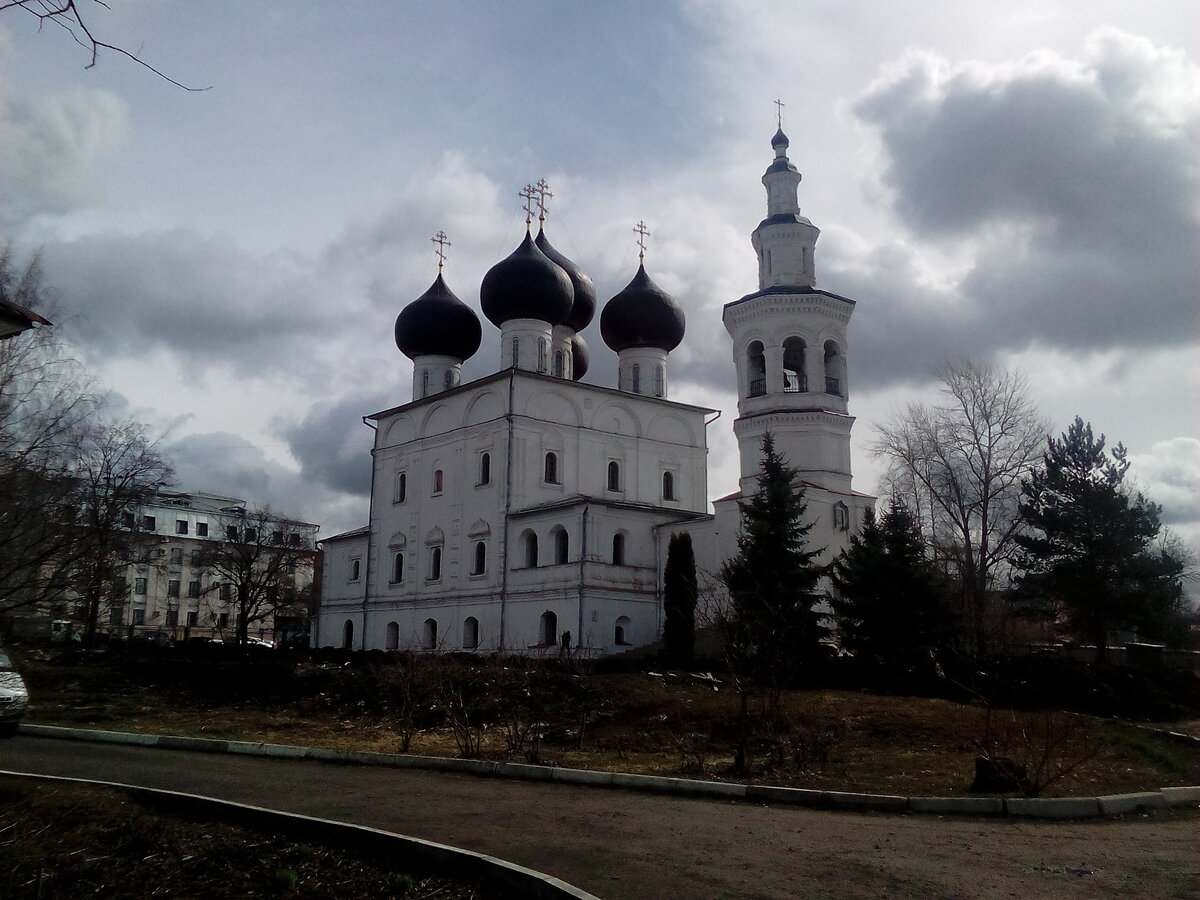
point(619, 844)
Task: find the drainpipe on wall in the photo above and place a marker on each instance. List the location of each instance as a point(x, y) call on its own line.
point(370, 538)
point(508, 473)
point(582, 564)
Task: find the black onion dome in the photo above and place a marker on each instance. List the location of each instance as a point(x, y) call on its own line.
point(526, 285)
point(584, 306)
point(642, 315)
point(779, 139)
point(438, 324)
point(579, 357)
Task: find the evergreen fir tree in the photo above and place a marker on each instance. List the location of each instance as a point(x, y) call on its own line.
point(679, 601)
point(771, 628)
point(891, 598)
point(1087, 552)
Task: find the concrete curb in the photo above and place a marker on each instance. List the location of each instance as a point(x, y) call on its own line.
point(508, 879)
point(1034, 807)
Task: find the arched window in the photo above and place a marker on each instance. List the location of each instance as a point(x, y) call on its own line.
point(485, 468)
point(480, 562)
point(548, 631)
point(660, 381)
point(516, 352)
point(668, 486)
point(448, 379)
point(794, 379)
point(348, 635)
point(614, 475)
point(562, 545)
point(621, 631)
point(551, 471)
point(636, 375)
point(841, 516)
point(429, 635)
point(424, 382)
point(397, 568)
point(833, 369)
point(393, 636)
point(400, 488)
point(541, 354)
point(531, 549)
point(470, 633)
point(437, 481)
point(618, 550)
point(435, 564)
point(559, 370)
point(756, 370)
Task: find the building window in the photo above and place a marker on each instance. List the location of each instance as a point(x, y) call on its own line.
point(181, 526)
point(348, 635)
point(424, 382)
point(437, 481)
point(548, 631)
point(231, 533)
point(479, 565)
point(392, 641)
point(223, 620)
point(435, 564)
point(227, 593)
point(400, 488)
point(551, 471)
point(794, 379)
point(660, 382)
point(149, 523)
point(397, 568)
point(621, 631)
point(485, 468)
point(355, 568)
point(172, 588)
point(193, 589)
point(197, 557)
point(756, 370)
point(834, 369)
point(202, 529)
point(614, 475)
point(448, 379)
point(668, 486)
point(562, 545)
point(429, 636)
point(516, 353)
point(177, 556)
point(251, 535)
point(841, 516)
point(618, 550)
point(193, 618)
point(139, 586)
point(559, 370)
point(541, 354)
point(139, 617)
point(116, 617)
point(531, 549)
point(172, 618)
point(470, 633)
point(636, 376)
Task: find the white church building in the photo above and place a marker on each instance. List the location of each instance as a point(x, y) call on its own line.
point(527, 510)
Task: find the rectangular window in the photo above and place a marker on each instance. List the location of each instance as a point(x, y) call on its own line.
point(251, 535)
point(149, 523)
point(196, 557)
point(227, 593)
point(172, 588)
point(139, 586)
point(181, 526)
point(127, 520)
point(193, 618)
point(223, 620)
point(231, 532)
point(193, 589)
point(176, 556)
point(172, 618)
point(120, 586)
point(139, 617)
point(116, 617)
point(202, 529)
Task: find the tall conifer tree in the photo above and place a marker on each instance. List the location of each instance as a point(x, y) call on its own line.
point(679, 601)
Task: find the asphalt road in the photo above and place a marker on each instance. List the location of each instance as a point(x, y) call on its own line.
point(620, 844)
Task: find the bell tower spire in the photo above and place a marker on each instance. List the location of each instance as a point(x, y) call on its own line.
point(784, 240)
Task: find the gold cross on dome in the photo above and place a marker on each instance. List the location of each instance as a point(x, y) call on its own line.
point(543, 191)
point(527, 193)
point(443, 242)
point(779, 105)
point(642, 233)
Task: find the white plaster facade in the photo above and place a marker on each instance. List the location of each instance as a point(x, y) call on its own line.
point(511, 510)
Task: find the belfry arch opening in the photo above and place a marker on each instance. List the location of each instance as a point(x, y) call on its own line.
point(756, 370)
point(835, 370)
point(794, 379)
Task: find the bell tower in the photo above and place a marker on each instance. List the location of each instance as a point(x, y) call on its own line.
point(789, 345)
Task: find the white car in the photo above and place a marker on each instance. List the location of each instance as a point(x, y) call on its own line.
point(14, 698)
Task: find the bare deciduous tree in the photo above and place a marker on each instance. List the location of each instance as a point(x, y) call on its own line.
point(958, 465)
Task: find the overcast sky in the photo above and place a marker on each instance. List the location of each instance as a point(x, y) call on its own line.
point(1009, 182)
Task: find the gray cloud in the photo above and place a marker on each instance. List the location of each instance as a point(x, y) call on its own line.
point(332, 444)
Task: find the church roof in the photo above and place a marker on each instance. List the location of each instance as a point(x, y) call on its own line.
point(526, 285)
point(583, 308)
point(438, 324)
point(642, 315)
point(789, 289)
